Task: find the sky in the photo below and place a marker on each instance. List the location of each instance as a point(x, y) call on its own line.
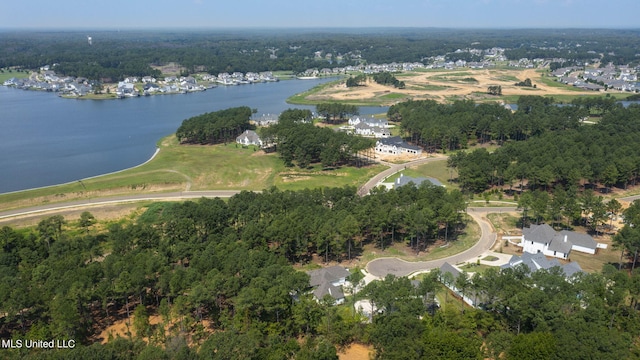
point(165, 14)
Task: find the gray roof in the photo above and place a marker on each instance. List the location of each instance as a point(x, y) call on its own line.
point(538, 261)
point(448, 268)
point(578, 239)
point(544, 234)
point(250, 135)
point(559, 243)
point(405, 180)
point(328, 289)
point(327, 275)
point(362, 125)
point(539, 233)
point(397, 141)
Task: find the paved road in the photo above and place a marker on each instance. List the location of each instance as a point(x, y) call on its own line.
point(116, 200)
point(393, 168)
point(398, 267)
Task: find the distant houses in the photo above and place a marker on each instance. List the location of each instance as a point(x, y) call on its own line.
point(369, 126)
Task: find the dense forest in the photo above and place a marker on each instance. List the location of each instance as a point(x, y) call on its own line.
point(115, 55)
point(219, 276)
point(224, 262)
point(590, 140)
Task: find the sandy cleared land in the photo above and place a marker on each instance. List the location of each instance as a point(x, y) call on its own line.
point(446, 85)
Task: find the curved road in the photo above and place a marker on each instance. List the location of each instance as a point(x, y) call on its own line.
point(383, 266)
point(393, 168)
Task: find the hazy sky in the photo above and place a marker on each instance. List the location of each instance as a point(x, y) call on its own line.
point(123, 14)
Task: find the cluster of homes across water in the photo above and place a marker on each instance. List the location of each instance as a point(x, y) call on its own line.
point(47, 80)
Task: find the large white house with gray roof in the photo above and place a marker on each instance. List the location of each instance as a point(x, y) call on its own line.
point(559, 244)
point(396, 146)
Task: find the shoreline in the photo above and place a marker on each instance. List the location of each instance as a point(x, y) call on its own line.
point(87, 178)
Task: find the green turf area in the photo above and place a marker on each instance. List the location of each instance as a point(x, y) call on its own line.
point(6, 75)
point(301, 98)
point(196, 167)
point(393, 96)
point(437, 170)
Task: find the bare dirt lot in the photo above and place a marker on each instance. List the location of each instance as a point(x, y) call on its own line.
point(446, 85)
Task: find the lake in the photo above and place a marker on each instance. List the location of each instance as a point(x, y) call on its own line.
point(47, 140)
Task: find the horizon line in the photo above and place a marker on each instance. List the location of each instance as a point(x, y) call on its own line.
point(270, 27)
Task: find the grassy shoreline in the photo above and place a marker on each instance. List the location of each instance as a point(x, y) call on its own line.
point(194, 167)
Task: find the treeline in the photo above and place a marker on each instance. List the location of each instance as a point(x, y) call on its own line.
point(333, 113)
point(217, 277)
point(386, 78)
point(115, 55)
point(383, 78)
point(525, 316)
point(224, 262)
point(215, 127)
point(303, 143)
point(605, 153)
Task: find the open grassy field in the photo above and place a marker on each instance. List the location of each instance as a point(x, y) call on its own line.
point(437, 170)
point(6, 75)
point(195, 167)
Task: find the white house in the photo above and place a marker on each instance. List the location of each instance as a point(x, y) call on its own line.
point(396, 146)
point(369, 120)
point(329, 281)
point(559, 244)
point(249, 137)
point(364, 129)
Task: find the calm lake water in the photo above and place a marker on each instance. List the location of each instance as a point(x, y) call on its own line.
point(47, 140)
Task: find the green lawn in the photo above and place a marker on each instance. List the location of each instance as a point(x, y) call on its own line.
point(6, 75)
point(393, 96)
point(428, 87)
point(196, 167)
point(300, 98)
point(435, 169)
